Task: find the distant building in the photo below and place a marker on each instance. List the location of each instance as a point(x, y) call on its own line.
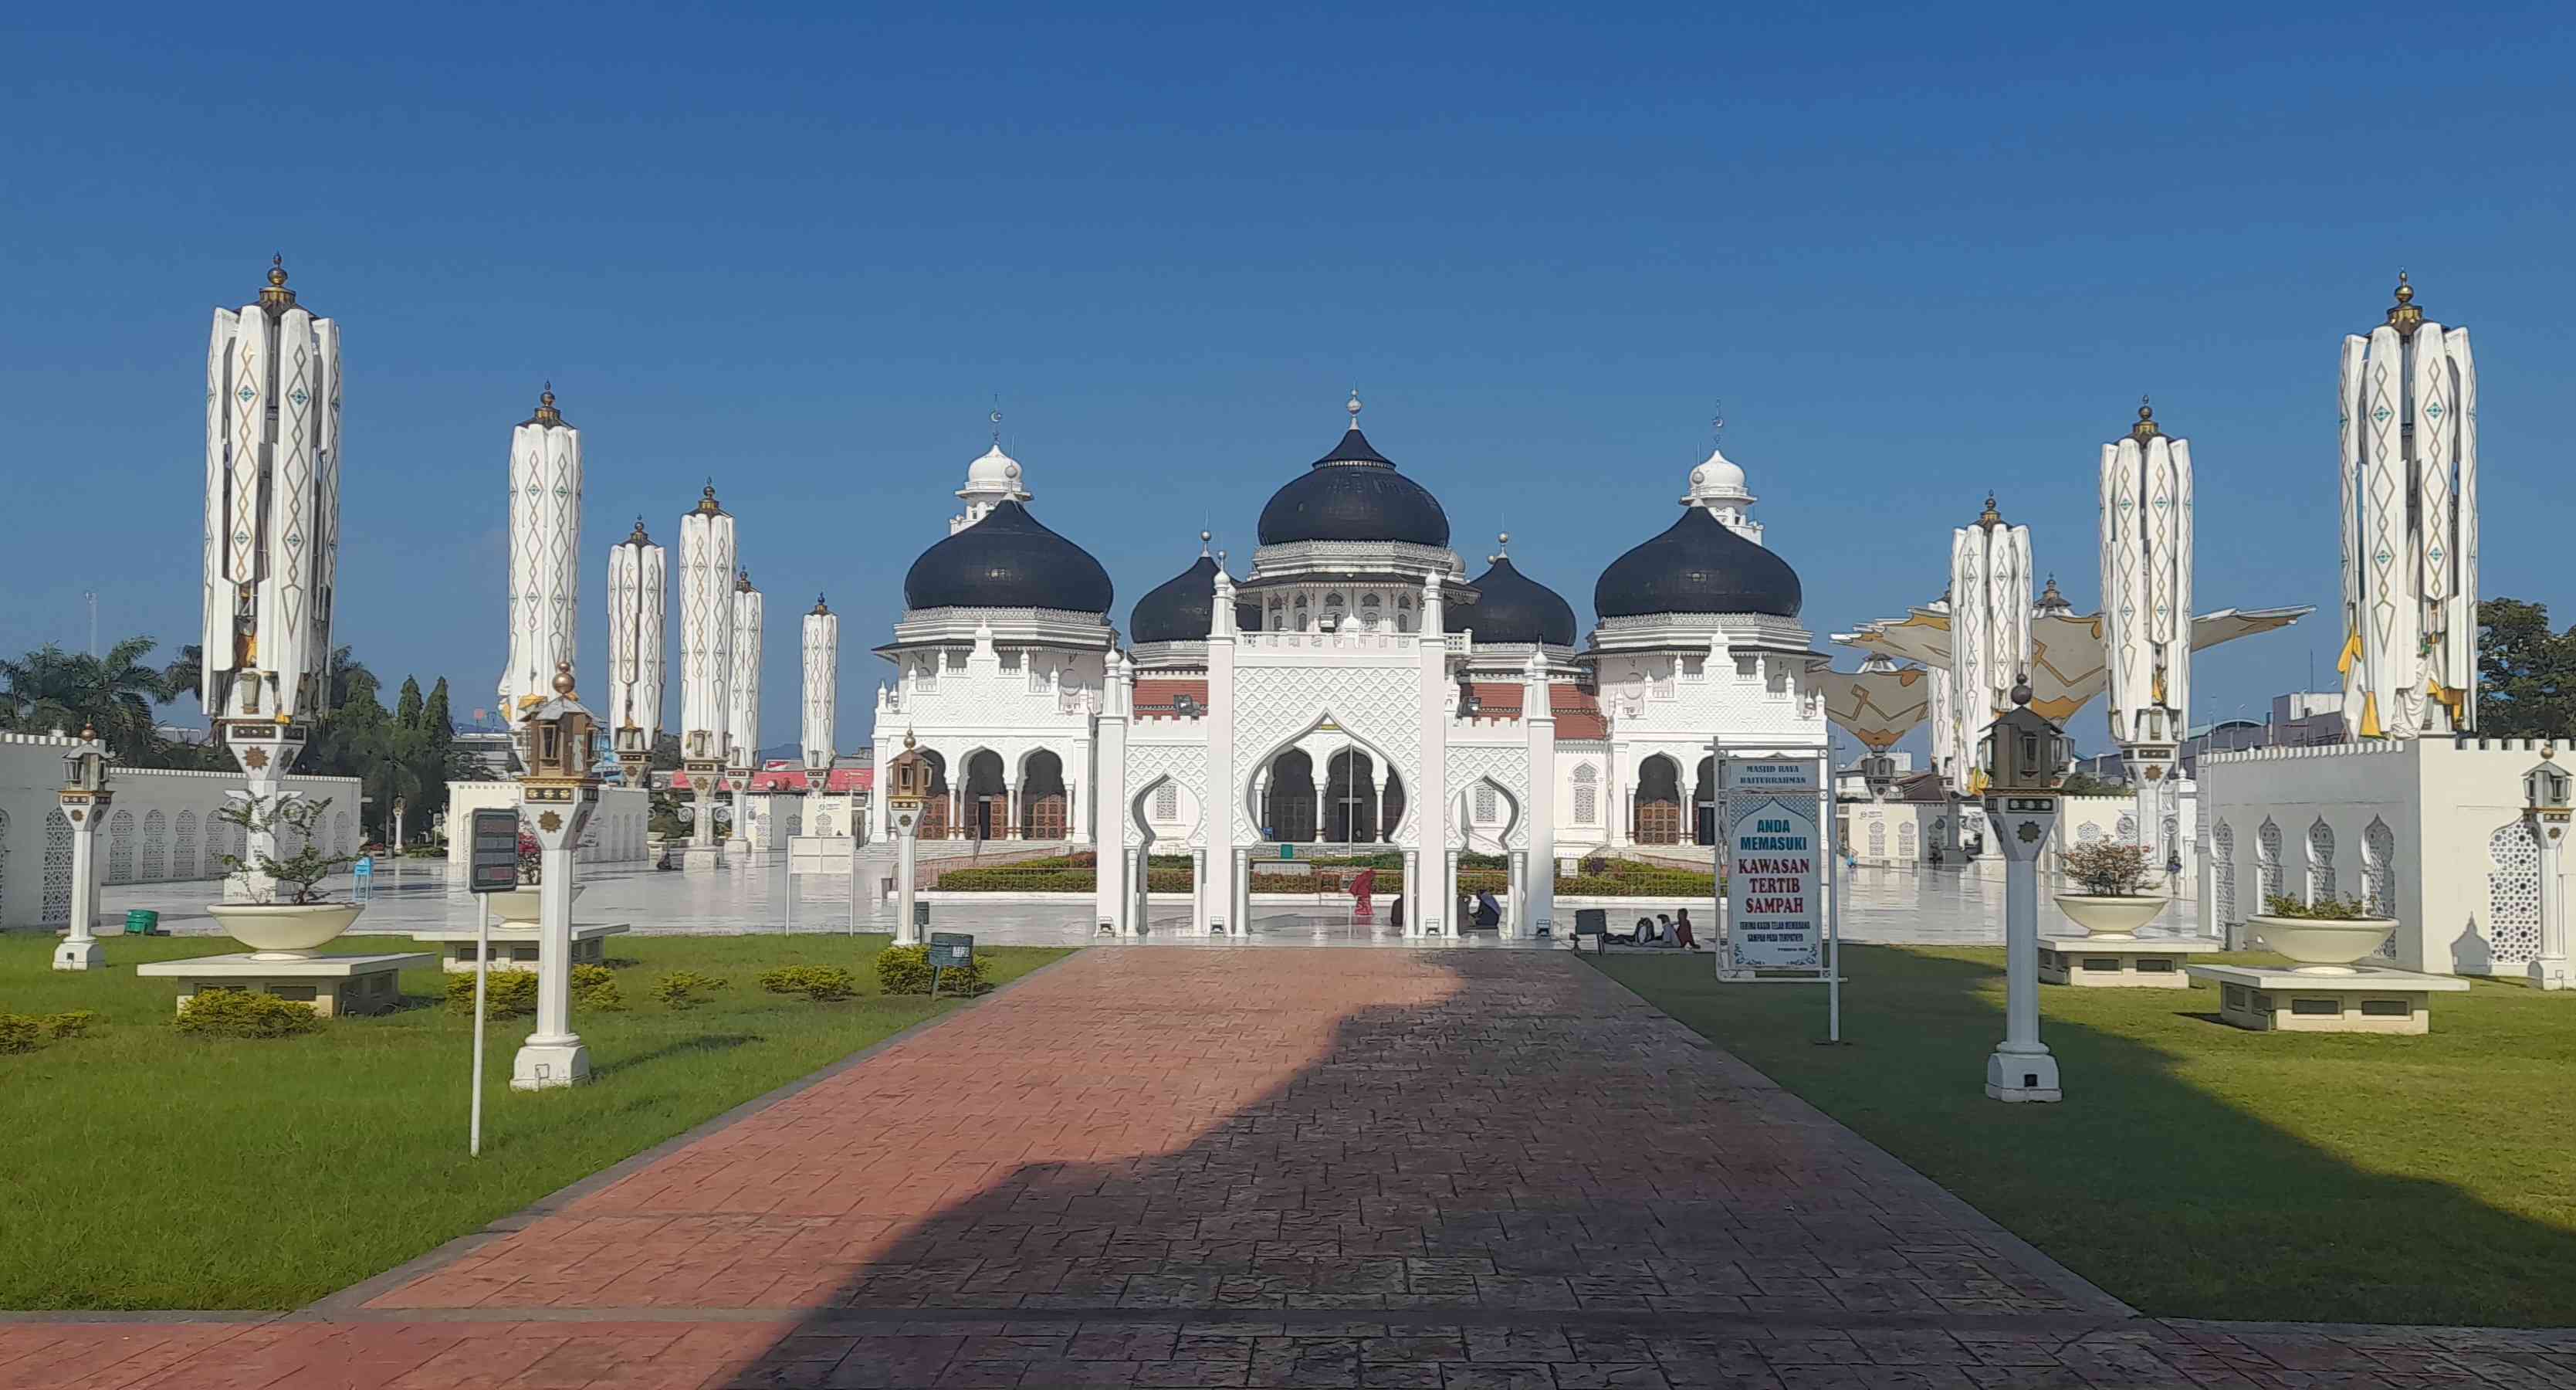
point(2300, 719)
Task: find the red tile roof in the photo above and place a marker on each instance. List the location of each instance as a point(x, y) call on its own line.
point(792, 779)
point(1155, 696)
point(1578, 711)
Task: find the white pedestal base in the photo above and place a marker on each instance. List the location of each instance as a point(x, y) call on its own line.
point(2269, 999)
point(80, 955)
point(2097, 962)
point(2022, 1077)
point(702, 859)
point(517, 949)
point(2547, 972)
point(333, 985)
point(543, 1065)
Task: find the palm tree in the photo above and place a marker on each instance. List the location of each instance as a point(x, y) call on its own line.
point(41, 691)
point(115, 694)
point(187, 675)
point(344, 669)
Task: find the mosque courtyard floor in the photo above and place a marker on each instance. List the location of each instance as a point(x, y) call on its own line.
point(1242, 1168)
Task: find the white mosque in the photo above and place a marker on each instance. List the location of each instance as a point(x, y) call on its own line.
point(1356, 687)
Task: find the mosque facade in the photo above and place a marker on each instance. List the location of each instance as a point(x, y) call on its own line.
point(1354, 688)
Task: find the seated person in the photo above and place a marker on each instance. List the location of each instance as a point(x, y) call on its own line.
point(1664, 927)
point(1489, 913)
point(1682, 933)
point(1645, 933)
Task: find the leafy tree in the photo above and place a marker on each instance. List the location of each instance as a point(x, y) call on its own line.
point(666, 753)
point(407, 708)
point(2086, 784)
point(2526, 672)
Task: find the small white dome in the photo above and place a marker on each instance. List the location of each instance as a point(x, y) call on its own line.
point(1717, 479)
point(994, 470)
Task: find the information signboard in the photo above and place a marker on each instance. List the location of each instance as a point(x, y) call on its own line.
point(950, 950)
point(1774, 858)
point(496, 851)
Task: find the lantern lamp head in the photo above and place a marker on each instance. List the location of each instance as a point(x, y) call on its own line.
point(2022, 750)
point(2547, 786)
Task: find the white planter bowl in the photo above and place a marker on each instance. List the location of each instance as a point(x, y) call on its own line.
point(2116, 918)
point(284, 931)
point(522, 907)
point(2323, 947)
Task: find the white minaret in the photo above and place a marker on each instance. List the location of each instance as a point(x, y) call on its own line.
point(742, 726)
point(1989, 632)
point(2146, 612)
point(2409, 403)
point(272, 537)
point(1718, 484)
point(822, 683)
point(706, 661)
point(637, 639)
point(545, 555)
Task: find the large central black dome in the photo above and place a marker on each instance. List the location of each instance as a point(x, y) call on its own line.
point(1698, 566)
point(1354, 494)
point(1512, 607)
point(1008, 560)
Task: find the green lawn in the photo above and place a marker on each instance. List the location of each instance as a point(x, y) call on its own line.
point(144, 1168)
point(2194, 1169)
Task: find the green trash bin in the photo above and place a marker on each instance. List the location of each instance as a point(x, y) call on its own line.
point(142, 921)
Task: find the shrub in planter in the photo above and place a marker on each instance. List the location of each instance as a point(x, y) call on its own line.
point(2327, 910)
point(240, 1013)
point(2106, 868)
point(820, 983)
point(906, 970)
point(687, 989)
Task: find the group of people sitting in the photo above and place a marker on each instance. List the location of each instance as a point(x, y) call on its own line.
point(1663, 929)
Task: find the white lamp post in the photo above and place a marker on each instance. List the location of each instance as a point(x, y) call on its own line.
point(85, 800)
point(555, 801)
point(2548, 796)
point(2023, 759)
point(907, 782)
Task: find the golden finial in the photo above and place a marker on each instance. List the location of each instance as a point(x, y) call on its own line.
point(742, 580)
point(277, 270)
point(563, 679)
point(2403, 315)
point(2145, 429)
point(639, 538)
point(276, 298)
point(819, 606)
point(907, 740)
point(707, 501)
point(546, 412)
point(1990, 517)
point(89, 732)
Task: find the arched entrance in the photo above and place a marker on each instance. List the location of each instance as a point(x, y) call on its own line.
point(935, 821)
point(1704, 804)
point(1288, 806)
point(1042, 797)
point(1658, 816)
point(1350, 798)
point(988, 802)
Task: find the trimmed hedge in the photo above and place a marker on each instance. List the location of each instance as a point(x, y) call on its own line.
point(27, 1032)
point(906, 970)
point(687, 989)
point(241, 1013)
point(513, 993)
point(820, 983)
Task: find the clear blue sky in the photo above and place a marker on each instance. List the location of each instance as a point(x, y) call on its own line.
point(1918, 253)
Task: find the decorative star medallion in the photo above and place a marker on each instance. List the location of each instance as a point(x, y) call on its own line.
point(550, 822)
point(2030, 832)
point(255, 759)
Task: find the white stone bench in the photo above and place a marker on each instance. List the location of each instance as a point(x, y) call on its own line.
point(517, 949)
point(2093, 962)
point(2274, 999)
point(333, 985)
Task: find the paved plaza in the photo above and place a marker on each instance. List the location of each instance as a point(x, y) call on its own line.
point(1251, 1168)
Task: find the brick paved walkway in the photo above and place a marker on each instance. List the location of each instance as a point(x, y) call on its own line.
point(1253, 1168)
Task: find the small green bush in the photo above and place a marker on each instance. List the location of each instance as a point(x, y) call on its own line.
point(21, 1033)
point(906, 970)
point(241, 1013)
point(75, 1024)
point(595, 987)
point(687, 989)
point(820, 983)
point(507, 994)
point(2322, 910)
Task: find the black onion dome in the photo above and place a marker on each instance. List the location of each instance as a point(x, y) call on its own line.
point(1354, 494)
point(1697, 566)
point(1008, 560)
point(1512, 607)
point(1180, 609)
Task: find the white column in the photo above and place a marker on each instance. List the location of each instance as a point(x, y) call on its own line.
point(1111, 904)
point(1199, 890)
point(553, 1055)
point(1428, 803)
point(2021, 1068)
point(80, 950)
point(1418, 895)
point(1516, 920)
point(2549, 968)
point(1220, 792)
point(1538, 720)
point(908, 841)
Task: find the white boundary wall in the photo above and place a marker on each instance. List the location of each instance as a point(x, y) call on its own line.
point(2430, 831)
point(615, 833)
